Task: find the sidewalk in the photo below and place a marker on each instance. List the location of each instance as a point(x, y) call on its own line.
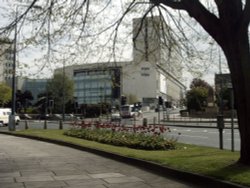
point(48, 163)
point(26, 163)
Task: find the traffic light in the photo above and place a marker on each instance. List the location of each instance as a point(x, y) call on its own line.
point(51, 103)
point(123, 100)
point(76, 105)
point(168, 104)
point(160, 100)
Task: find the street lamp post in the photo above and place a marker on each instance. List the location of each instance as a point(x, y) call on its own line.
point(230, 87)
point(12, 122)
point(63, 86)
point(63, 99)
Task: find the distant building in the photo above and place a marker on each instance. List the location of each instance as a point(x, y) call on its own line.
point(35, 86)
point(6, 61)
point(222, 81)
point(155, 71)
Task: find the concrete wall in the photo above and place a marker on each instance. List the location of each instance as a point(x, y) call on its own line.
point(139, 80)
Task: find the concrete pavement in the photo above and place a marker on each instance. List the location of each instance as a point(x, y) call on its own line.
point(26, 163)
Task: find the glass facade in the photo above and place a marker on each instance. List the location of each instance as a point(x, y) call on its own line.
point(35, 86)
point(93, 86)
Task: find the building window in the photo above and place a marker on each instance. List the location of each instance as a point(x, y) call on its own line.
point(145, 71)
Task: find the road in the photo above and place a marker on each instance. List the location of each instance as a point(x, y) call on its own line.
point(198, 133)
point(203, 136)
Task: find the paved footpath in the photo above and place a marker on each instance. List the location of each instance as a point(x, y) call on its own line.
point(26, 163)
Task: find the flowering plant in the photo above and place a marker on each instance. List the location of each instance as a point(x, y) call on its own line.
point(139, 137)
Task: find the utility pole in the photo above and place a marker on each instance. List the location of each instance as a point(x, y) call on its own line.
point(12, 123)
point(63, 90)
point(220, 117)
point(12, 119)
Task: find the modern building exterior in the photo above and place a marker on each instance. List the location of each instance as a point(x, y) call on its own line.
point(35, 86)
point(222, 81)
point(6, 61)
point(97, 85)
point(155, 71)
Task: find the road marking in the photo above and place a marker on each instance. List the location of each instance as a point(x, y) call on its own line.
point(204, 137)
point(235, 139)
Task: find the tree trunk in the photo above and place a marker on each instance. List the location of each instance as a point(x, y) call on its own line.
point(237, 52)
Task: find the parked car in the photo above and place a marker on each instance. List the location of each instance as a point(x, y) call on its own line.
point(25, 116)
point(71, 117)
point(115, 116)
point(55, 117)
point(42, 117)
point(17, 119)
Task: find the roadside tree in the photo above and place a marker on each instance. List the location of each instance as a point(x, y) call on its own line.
point(5, 94)
point(229, 27)
point(23, 100)
point(61, 90)
point(197, 98)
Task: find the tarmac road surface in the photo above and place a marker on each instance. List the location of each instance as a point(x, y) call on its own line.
point(26, 163)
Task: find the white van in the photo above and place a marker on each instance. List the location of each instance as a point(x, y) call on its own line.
point(128, 111)
point(4, 116)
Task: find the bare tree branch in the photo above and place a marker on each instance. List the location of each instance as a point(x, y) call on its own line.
point(170, 3)
point(196, 10)
point(246, 14)
point(13, 24)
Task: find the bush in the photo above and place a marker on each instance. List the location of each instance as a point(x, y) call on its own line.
point(129, 139)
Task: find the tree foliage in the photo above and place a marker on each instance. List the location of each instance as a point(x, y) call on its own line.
point(197, 96)
point(61, 89)
point(197, 82)
point(5, 94)
point(23, 99)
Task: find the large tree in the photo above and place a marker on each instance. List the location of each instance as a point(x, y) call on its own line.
point(230, 29)
point(199, 94)
point(61, 89)
point(226, 21)
point(23, 99)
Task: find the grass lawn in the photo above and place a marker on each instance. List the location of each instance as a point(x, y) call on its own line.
point(201, 160)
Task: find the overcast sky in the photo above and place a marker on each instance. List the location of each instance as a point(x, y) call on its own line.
point(30, 55)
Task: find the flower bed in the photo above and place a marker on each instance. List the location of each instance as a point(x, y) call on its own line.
point(139, 137)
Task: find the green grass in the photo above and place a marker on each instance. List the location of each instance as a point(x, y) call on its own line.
point(201, 160)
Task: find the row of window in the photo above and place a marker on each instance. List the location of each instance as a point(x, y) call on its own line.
point(93, 77)
point(99, 93)
point(8, 71)
point(8, 64)
point(93, 100)
point(8, 77)
point(96, 86)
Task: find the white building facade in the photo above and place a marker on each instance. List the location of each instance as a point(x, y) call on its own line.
point(155, 71)
point(6, 61)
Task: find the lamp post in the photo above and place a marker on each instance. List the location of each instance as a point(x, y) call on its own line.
point(230, 87)
point(63, 86)
point(12, 122)
point(63, 97)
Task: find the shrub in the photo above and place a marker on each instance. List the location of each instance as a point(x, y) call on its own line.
point(147, 138)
